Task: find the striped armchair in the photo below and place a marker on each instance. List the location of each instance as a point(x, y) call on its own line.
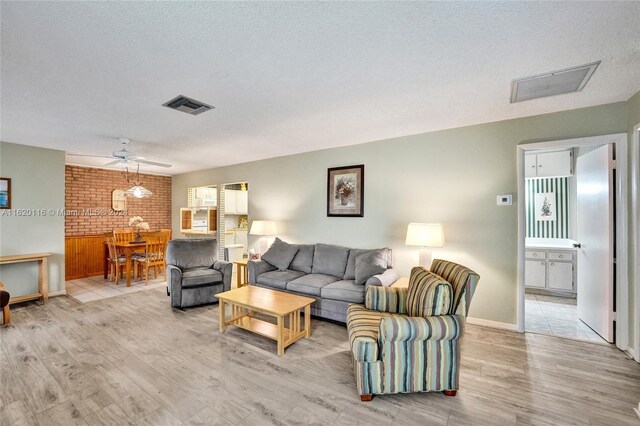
point(407, 339)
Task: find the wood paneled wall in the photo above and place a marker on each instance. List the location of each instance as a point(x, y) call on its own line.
point(84, 256)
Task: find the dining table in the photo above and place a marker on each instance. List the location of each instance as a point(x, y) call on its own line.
point(128, 249)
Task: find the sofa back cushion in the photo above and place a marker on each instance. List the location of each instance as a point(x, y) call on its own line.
point(280, 254)
point(369, 264)
point(428, 294)
point(330, 260)
point(303, 260)
point(192, 253)
point(350, 272)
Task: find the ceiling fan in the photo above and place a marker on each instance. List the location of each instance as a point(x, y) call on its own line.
point(122, 156)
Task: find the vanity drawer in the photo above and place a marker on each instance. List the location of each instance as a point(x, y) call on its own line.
point(534, 254)
point(560, 255)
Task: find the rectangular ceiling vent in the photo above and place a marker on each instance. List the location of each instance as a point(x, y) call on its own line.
point(553, 83)
point(188, 105)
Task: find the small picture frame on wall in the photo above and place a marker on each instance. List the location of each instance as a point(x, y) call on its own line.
point(5, 193)
point(545, 205)
point(345, 191)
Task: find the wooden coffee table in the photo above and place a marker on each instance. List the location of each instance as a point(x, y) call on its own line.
point(249, 299)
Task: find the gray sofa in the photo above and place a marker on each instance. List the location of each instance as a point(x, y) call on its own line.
point(194, 275)
point(324, 272)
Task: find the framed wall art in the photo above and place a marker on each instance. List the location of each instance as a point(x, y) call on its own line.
point(545, 205)
point(5, 193)
point(345, 191)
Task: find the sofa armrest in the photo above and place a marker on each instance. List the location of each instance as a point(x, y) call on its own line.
point(403, 329)
point(257, 267)
point(386, 299)
point(226, 268)
point(384, 279)
point(174, 284)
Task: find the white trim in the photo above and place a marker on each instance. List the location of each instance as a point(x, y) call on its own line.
point(492, 324)
point(635, 232)
point(622, 293)
point(58, 293)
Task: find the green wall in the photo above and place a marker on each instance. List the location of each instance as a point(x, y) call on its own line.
point(450, 176)
point(37, 183)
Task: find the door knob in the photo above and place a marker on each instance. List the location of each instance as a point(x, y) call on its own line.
point(577, 245)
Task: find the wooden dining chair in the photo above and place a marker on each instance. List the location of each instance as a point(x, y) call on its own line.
point(115, 261)
point(154, 256)
point(123, 235)
point(167, 232)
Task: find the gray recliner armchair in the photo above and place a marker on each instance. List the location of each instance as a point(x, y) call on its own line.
point(194, 274)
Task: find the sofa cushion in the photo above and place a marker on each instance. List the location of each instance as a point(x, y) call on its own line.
point(303, 260)
point(346, 290)
point(196, 277)
point(428, 294)
point(278, 279)
point(363, 326)
point(310, 284)
point(369, 264)
point(330, 260)
point(350, 272)
point(280, 254)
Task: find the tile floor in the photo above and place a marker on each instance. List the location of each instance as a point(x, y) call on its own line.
point(557, 316)
point(97, 288)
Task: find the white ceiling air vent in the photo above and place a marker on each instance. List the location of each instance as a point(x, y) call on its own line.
point(188, 105)
point(553, 83)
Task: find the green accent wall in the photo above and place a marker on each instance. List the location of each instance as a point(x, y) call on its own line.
point(558, 228)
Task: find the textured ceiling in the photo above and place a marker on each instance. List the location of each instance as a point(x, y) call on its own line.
point(291, 77)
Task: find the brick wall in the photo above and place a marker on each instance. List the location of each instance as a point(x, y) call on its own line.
point(89, 190)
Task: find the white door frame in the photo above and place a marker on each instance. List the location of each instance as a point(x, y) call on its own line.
point(622, 287)
point(635, 232)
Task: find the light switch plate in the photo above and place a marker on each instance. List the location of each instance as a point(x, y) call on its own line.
point(504, 200)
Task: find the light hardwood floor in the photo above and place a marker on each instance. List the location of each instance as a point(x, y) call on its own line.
point(133, 360)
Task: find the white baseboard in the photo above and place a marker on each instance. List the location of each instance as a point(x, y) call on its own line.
point(492, 324)
point(632, 354)
point(58, 293)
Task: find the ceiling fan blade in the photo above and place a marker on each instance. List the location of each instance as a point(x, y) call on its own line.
point(87, 155)
point(113, 163)
point(134, 157)
point(153, 163)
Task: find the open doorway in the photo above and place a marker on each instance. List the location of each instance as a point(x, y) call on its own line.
point(569, 228)
point(234, 221)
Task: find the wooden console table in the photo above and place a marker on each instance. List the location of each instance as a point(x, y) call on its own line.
point(43, 275)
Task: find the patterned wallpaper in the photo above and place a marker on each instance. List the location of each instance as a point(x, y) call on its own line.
point(548, 219)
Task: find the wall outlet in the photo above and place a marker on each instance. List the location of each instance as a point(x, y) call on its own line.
point(504, 200)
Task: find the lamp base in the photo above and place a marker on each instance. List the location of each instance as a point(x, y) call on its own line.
point(264, 245)
point(425, 258)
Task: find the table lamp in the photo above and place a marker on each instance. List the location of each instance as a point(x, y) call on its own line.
point(263, 228)
point(425, 235)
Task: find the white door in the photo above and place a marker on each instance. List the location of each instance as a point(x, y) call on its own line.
point(530, 166)
point(554, 164)
point(561, 275)
point(594, 213)
point(535, 273)
point(230, 202)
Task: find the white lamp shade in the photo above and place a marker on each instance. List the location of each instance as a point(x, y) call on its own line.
point(263, 227)
point(425, 235)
